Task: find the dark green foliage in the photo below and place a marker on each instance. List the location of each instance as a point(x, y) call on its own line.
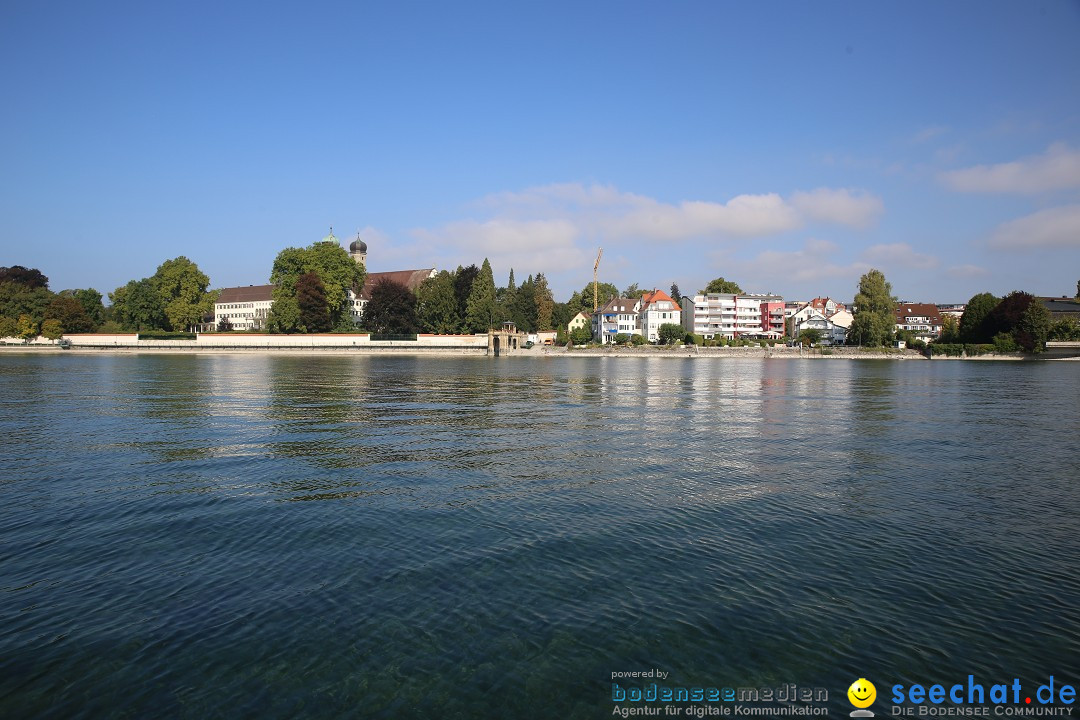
point(480, 308)
point(874, 311)
point(8, 327)
point(165, 335)
point(1033, 327)
point(224, 325)
point(637, 340)
point(670, 333)
point(29, 278)
point(583, 300)
point(545, 303)
point(463, 282)
point(972, 322)
point(137, 306)
point(91, 301)
point(580, 336)
point(1008, 318)
point(621, 339)
point(720, 285)
point(810, 336)
point(338, 273)
point(1064, 329)
point(436, 305)
point(391, 309)
point(675, 292)
point(70, 313)
point(311, 300)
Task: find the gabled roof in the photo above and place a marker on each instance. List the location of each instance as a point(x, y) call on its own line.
point(251, 293)
point(927, 310)
point(612, 305)
point(409, 278)
point(657, 296)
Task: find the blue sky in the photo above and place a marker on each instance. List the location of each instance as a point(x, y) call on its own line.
point(789, 146)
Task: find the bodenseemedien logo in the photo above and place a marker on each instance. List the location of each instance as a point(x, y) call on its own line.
point(862, 694)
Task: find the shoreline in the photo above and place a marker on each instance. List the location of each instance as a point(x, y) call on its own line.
point(774, 353)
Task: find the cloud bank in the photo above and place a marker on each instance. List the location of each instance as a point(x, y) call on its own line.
point(1056, 169)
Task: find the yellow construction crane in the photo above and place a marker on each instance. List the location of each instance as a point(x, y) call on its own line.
point(595, 296)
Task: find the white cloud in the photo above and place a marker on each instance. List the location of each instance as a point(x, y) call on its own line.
point(968, 271)
point(1058, 168)
point(1057, 227)
point(531, 244)
point(807, 268)
point(853, 208)
point(899, 255)
point(929, 133)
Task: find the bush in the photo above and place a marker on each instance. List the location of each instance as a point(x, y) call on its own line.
point(763, 344)
point(621, 339)
point(637, 340)
point(1004, 343)
point(165, 335)
point(669, 333)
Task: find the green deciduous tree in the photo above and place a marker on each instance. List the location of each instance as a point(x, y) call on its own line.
point(436, 304)
point(91, 301)
point(137, 306)
point(1064, 329)
point(583, 300)
point(810, 336)
point(670, 333)
point(70, 313)
point(972, 322)
point(580, 335)
point(480, 307)
point(950, 330)
point(26, 328)
point(720, 285)
point(391, 309)
point(337, 272)
point(182, 288)
point(30, 278)
point(1032, 329)
point(52, 329)
point(311, 299)
point(874, 311)
point(8, 328)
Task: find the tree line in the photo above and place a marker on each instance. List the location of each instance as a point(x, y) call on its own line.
point(29, 308)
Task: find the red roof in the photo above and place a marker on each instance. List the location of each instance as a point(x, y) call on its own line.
point(927, 310)
point(657, 296)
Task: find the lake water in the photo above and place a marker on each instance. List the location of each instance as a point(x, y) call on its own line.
point(306, 536)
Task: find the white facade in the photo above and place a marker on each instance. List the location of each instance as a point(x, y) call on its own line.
point(246, 308)
point(724, 315)
point(658, 309)
point(618, 317)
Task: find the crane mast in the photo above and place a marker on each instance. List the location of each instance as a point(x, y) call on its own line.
point(595, 295)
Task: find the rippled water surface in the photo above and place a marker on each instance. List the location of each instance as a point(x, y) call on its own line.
point(280, 536)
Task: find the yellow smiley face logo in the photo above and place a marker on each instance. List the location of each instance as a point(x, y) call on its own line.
point(862, 693)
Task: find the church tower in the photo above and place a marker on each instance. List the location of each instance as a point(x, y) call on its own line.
point(358, 251)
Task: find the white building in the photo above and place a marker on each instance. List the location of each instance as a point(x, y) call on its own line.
point(657, 308)
point(726, 315)
point(245, 308)
point(618, 317)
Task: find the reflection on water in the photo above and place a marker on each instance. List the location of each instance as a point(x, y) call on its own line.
point(211, 536)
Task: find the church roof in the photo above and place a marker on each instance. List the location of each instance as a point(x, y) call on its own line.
point(409, 278)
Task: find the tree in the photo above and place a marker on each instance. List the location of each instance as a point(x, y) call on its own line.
point(182, 288)
point(224, 324)
point(27, 328)
point(561, 315)
point(810, 336)
point(1064, 329)
point(480, 307)
point(311, 299)
point(874, 310)
point(524, 311)
point(391, 309)
point(17, 299)
point(463, 282)
point(950, 330)
point(675, 292)
point(1033, 327)
point(1007, 314)
point(70, 313)
point(633, 291)
point(978, 308)
point(137, 306)
point(584, 300)
point(92, 304)
point(670, 333)
point(545, 303)
point(8, 328)
point(51, 329)
point(29, 278)
point(337, 272)
point(1078, 289)
point(720, 285)
point(436, 304)
point(580, 335)
point(621, 339)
